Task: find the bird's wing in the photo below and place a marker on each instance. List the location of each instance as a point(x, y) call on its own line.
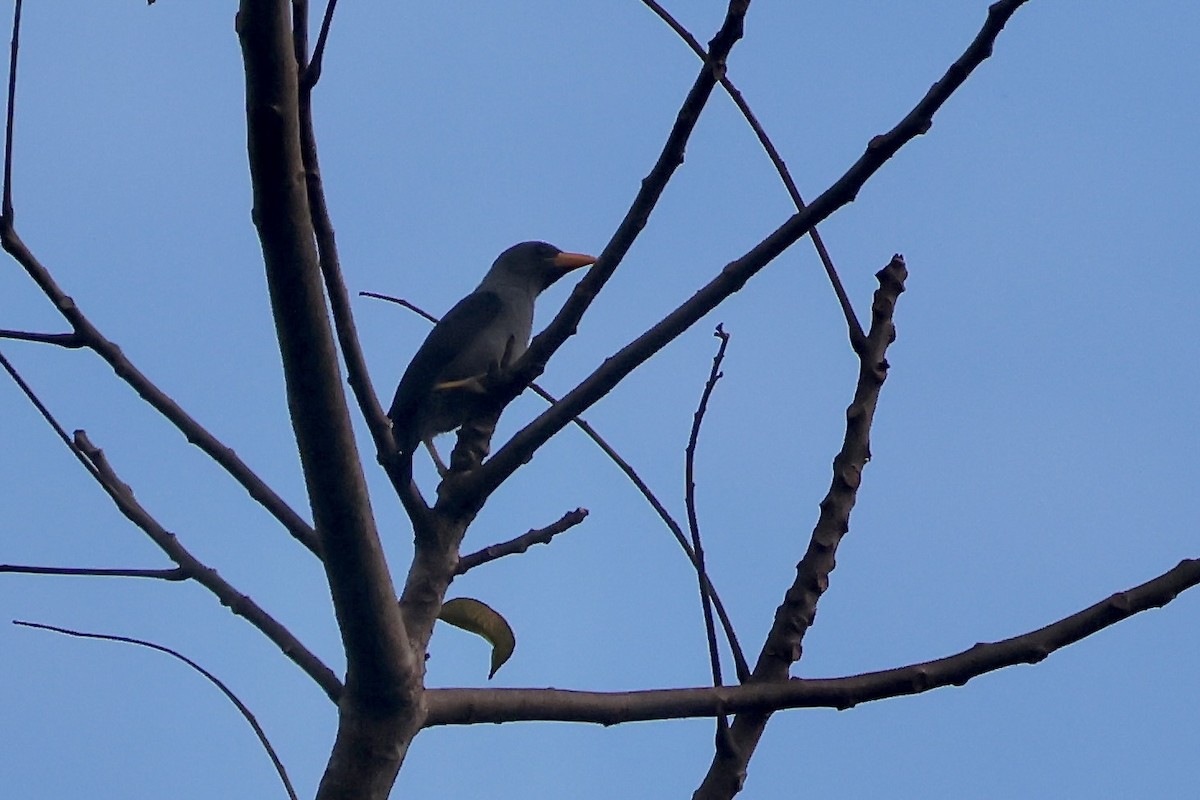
point(452, 335)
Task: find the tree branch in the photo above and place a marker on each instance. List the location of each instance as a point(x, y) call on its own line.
point(522, 542)
point(245, 711)
point(206, 576)
point(68, 340)
point(470, 706)
point(852, 323)
point(625, 467)
point(90, 336)
point(689, 468)
point(474, 487)
point(381, 707)
point(93, 460)
point(176, 574)
point(795, 615)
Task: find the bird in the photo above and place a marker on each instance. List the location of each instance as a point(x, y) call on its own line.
point(483, 334)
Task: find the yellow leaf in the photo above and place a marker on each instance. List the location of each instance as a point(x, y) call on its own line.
point(481, 619)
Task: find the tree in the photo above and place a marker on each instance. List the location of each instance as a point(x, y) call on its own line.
point(1043, 410)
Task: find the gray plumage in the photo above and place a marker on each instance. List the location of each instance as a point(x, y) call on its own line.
point(484, 333)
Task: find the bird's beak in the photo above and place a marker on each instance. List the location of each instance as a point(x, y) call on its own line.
point(569, 261)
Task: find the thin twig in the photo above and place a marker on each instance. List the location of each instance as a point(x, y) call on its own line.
point(68, 340)
point(213, 679)
point(473, 488)
point(111, 353)
point(312, 73)
point(689, 495)
point(521, 543)
point(97, 465)
point(852, 323)
point(626, 468)
point(6, 206)
point(566, 322)
point(176, 574)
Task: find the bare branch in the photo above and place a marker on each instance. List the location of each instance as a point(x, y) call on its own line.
point(246, 713)
point(398, 469)
point(206, 576)
point(312, 73)
point(565, 323)
point(68, 340)
point(381, 707)
point(91, 337)
point(852, 323)
point(176, 574)
point(689, 492)
point(795, 615)
point(97, 465)
point(522, 542)
point(625, 467)
point(6, 206)
point(469, 706)
point(472, 488)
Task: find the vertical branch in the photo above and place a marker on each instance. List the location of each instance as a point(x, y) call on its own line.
point(705, 585)
point(381, 708)
point(6, 207)
point(795, 615)
point(722, 735)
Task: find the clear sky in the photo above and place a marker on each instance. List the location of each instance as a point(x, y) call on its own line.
point(1034, 445)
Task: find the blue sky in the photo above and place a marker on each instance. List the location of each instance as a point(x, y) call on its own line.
point(1033, 448)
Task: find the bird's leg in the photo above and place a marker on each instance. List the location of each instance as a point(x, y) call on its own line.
point(437, 457)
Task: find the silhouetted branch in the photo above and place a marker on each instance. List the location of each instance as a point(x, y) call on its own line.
point(213, 679)
point(175, 574)
point(625, 467)
point(795, 615)
point(852, 323)
point(206, 576)
point(477, 485)
point(565, 323)
point(398, 469)
point(6, 205)
point(312, 73)
point(522, 542)
point(380, 709)
point(468, 706)
point(689, 492)
point(94, 461)
point(111, 353)
point(68, 340)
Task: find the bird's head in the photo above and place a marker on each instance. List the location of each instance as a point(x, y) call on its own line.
point(536, 265)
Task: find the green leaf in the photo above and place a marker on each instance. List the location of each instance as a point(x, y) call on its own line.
point(483, 620)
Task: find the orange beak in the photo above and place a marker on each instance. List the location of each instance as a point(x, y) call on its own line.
point(569, 261)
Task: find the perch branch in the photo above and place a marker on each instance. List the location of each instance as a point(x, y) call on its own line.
point(626, 468)
point(477, 485)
